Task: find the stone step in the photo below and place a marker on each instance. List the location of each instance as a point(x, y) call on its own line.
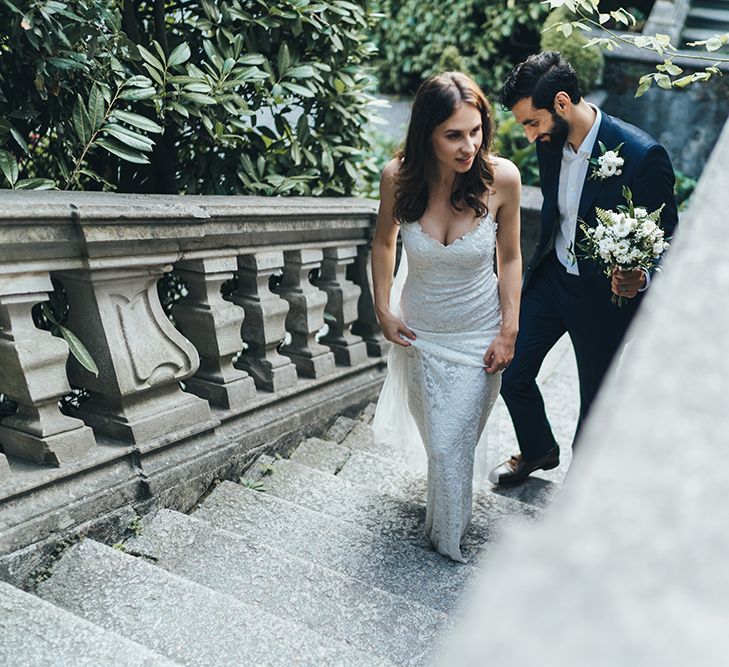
point(711, 18)
point(326, 601)
point(36, 633)
point(341, 428)
point(361, 439)
point(392, 565)
point(181, 619)
point(324, 455)
point(389, 516)
point(371, 470)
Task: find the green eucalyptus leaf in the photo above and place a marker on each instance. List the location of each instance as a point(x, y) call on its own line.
point(78, 350)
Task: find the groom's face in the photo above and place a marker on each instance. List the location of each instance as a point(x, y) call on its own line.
point(543, 125)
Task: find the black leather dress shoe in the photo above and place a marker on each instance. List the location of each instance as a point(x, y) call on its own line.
point(516, 469)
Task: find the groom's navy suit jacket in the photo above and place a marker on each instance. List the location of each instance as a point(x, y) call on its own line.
point(647, 171)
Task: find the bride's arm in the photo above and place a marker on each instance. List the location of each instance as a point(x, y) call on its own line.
point(384, 245)
point(508, 257)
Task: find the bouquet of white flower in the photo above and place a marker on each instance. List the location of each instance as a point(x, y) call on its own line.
point(627, 239)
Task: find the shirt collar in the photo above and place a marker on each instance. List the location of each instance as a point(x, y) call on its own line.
point(588, 143)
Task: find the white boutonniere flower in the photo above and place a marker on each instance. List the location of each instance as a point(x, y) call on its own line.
point(608, 164)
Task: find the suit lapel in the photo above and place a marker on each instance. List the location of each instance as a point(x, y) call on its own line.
point(607, 135)
point(550, 164)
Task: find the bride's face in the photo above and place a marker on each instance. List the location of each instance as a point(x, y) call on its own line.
point(457, 140)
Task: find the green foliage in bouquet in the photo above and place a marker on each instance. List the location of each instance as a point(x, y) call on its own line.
point(415, 37)
point(229, 97)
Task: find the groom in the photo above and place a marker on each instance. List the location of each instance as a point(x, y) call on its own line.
point(562, 291)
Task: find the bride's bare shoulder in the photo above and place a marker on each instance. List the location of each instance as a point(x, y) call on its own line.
point(506, 173)
point(388, 180)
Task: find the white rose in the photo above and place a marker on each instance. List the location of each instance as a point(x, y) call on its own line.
point(622, 229)
point(658, 248)
point(647, 228)
point(606, 246)
point(640, 213)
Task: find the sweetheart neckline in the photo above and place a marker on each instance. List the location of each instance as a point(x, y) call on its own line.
point(459, 238)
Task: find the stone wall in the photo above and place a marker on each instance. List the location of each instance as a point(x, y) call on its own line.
point(628, 567)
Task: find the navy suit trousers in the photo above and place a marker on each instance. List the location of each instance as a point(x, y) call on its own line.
point(553, 303)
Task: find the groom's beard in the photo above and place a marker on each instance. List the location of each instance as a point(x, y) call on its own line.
point(557, 135)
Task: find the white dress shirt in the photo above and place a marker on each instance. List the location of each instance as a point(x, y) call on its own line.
point(571, 181)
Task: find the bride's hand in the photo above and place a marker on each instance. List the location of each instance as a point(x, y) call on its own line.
point(394, 329)
point(499, 354)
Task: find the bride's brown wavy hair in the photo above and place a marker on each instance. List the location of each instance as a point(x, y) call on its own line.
point(436, 100)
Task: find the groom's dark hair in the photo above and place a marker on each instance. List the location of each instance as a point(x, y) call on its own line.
point(541, 76)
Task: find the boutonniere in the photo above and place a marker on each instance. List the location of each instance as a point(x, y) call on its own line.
point(608, 164)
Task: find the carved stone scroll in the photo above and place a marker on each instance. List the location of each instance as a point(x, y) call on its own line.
point(213, 325)
point(341, 308)
point(33, 374)
point(263, 327)
point(141, 357)
point(306, 314)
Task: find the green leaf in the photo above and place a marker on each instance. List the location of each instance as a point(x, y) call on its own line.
point(684, 81)
point(152, 60)
point(9, 167)
point(663, 80)
point(199, 98)
point(251, 59)
point(301, 72)
point(284, 58)
point(142, 122)
point(20, 140)
point(673, 70)
point(713, 44)
point(96, 107)
point(129, 137)
point(66, 63)
point(78, 350)
point(179, 55)
point(123, 152)
point(295, 88)
point(137, 81)
point(35, 184)
point(137, 94)
point(81, 121)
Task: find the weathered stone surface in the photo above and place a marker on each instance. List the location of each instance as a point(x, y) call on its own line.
point(341, 308)
point(384, 474)
point(634, 549)
point(336, 606)
point(321, 454)
point(213, 325)
point(366, 326)
point(33, 374)
point(397, 567)
point(141, 357)
point(263, 327)
point(183, 620)
point(396, 518)
point(306, 314)
point(34, 633)
point(340, 429)
point(368, 413)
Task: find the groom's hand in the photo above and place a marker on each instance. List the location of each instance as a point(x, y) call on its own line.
point(627, 283)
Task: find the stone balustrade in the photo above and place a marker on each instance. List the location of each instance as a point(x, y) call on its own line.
point(277, 314)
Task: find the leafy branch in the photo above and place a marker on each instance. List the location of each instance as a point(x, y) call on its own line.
point(667, 75)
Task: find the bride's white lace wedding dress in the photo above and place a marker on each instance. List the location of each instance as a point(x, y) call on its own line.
point(437, 391)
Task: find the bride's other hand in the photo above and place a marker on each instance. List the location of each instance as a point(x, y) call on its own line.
point(394, 329)
point(499, 354)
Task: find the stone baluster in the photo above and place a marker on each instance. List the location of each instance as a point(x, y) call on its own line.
point(366, 324)
point(33, 374)
point(306, 314)
point(213, 325)
point(263, 326)
point(341, 308)
point(4, 468)
point(141, 357)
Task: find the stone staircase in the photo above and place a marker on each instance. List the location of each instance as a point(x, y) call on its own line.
point(705, 19)
point(316, 559)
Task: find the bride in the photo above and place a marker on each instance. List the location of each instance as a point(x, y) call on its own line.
point(451, 322)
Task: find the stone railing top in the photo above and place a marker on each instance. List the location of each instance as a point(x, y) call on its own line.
point(57, 226)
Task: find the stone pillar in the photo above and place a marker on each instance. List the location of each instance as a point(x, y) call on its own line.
point(141, 357)
point(306, 314)
point(263, 327)
point(33, 374)
point(366, 324)
point(213, 325)
point(4, 468)
point(341, 308)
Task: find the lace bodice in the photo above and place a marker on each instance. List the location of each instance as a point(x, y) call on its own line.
point(450, 288)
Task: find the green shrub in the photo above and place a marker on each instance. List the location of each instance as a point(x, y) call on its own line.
point(229, 97)
point(415, 38)
point(511, 142)
point(588, 62)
